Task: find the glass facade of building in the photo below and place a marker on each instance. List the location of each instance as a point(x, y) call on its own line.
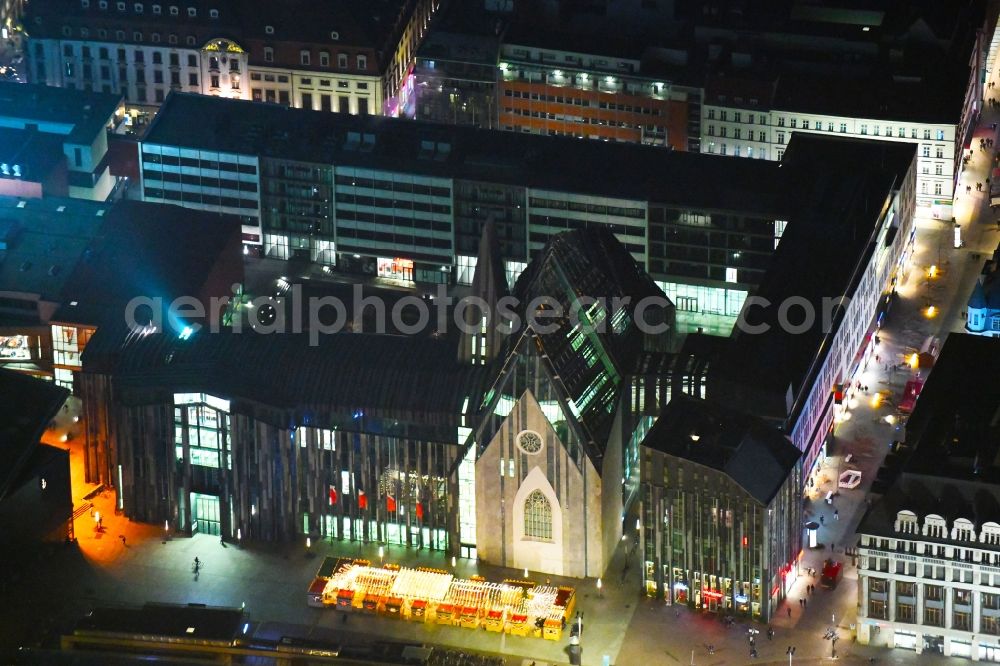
point(710, 546)
point(201, 427)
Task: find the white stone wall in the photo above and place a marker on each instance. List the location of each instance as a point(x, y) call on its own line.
point(576, 547)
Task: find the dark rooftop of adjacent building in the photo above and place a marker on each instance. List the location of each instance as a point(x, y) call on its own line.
point(190, 623)
point(41, 241)
point(77, 114)
point(147, 249)
point(559, 163)
point(877, 96)
point(35, 153)
point(756, 456)
point(356, 22)
point(954, 430)
point(838, 191)
point(951, 463)
point(460, 47)
point(343, 373)
point(27, 407)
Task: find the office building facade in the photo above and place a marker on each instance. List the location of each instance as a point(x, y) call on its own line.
point(721, 510)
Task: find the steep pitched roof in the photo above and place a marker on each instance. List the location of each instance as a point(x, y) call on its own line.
point(978, 298)
point(27, 407)
point(589, 364)
point(756, 456)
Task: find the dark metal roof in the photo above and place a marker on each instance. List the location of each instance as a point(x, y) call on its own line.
point(82, 113)
point(27, 406)
point(137, 254)
point(190, 623)
point(838, 190)
point(581, 264)
point(756, 456)
point(954, 429)
point(379, 375)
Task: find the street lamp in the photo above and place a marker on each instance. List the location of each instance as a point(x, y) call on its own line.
point(381, 554)
point(600, 588)
point(790, 652)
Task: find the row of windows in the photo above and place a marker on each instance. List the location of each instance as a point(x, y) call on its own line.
point(203, 181)
point(576, 101)
point(737, 151)
point(104, 71)
point(394, 186)
point(138, 55)
point(393, 221)
point(738, 133)
point(305, 58)
point(139, 8)
point(394, 238)
point(818, 125)
point(269, 78)
point(576, 119)
point(273, 96)
point(137, 36)
point(598, 209)
point(150, 158)
point(542, 237)
point(198, 198)
point(395, 204)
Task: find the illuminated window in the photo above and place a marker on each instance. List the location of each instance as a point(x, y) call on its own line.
point(204, 421)
point(537, 517)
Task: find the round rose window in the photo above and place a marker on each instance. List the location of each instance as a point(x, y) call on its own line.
point(529, 441)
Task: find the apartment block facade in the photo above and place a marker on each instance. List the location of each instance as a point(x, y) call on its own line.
point(343, 58)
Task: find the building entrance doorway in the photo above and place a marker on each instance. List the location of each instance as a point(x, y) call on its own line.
point(205, 514)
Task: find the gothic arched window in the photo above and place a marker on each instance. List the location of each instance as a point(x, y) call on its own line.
point(537, 517)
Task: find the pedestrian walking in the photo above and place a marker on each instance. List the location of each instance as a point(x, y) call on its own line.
point(100, 523)
point(836, 514)
point(122, 537)
point(789, 609)
point(822, 520)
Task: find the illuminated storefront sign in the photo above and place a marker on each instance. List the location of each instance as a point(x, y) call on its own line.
point(397, 268)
